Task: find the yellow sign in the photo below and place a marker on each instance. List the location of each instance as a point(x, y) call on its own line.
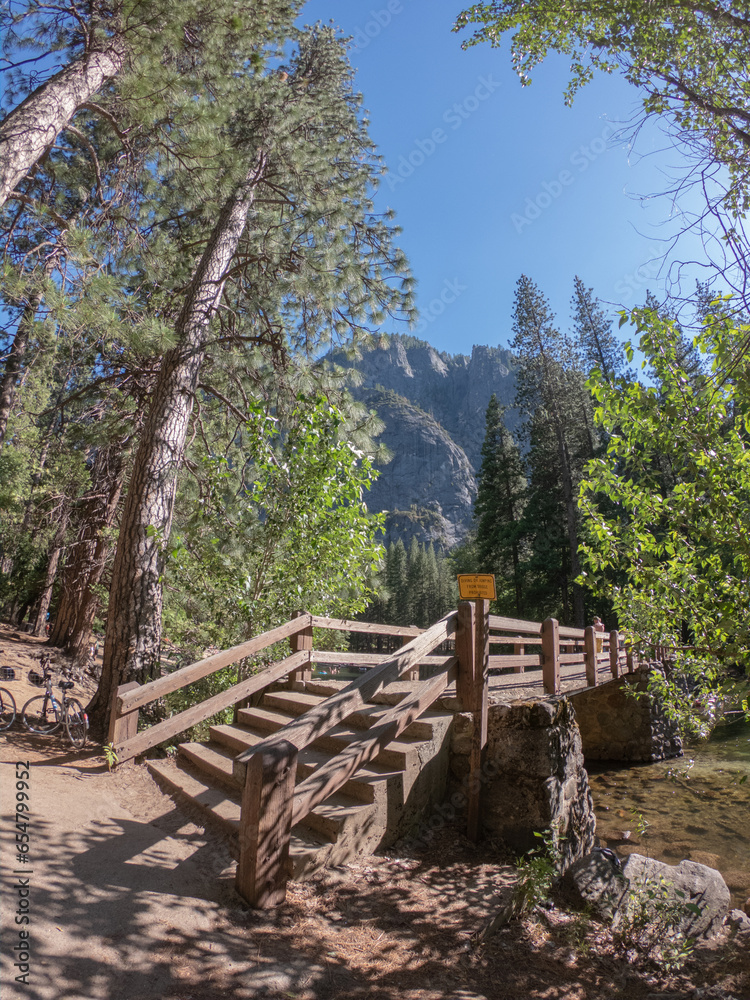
point(476, 587)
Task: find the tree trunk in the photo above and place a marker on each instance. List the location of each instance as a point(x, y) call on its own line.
point(133, 638)
point(88, 555)
point(34, 125)
point(45, 597)
point(14, 362)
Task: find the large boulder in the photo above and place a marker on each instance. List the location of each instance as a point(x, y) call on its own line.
point(599, 883)
point(690, 884)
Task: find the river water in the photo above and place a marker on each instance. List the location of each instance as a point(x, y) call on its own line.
point(696, 806)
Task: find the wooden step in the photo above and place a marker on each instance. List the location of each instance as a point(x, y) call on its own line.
point(296, 703)
point(339, 817)
point(396, 754)
point(215, 758)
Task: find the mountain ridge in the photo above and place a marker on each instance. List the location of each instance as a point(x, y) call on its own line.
point(433, 406)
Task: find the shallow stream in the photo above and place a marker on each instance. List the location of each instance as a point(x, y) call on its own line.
point(696, 806)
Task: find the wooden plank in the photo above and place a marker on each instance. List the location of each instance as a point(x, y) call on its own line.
point(514, 625)
point(123, 726)
point(579, 657)
point(203, 668)
point(329, 777)
point(266, 825)
point(205, 709)
point(551, 655)
point(368, 659)
point(501, 661)
point(590, 655)
point(302, 641)
point(531, 680)
point(479, 708)
point(514, 640)
point(614, 654)
point(465, 639)
point(370, 628)
point(571, 633)
point(316, 721)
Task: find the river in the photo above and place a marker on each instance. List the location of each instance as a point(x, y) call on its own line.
point(696, 806)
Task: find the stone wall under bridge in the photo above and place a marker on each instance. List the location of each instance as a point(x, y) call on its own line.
point(534, 774)
point(621, 721)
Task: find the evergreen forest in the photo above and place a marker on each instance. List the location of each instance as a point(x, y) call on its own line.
point(189, 230)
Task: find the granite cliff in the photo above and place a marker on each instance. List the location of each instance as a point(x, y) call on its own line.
point(433, 406)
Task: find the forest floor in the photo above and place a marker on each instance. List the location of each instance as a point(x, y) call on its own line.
point(130, 900)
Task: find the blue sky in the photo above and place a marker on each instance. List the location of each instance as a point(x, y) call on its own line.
point(490, 179)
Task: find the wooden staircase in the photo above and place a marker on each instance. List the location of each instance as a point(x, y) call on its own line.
point(370, 810)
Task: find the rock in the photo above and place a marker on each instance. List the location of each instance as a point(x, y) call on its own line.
point(595, 882)
point(701, 886)
point(739, 920)
point(433, 405)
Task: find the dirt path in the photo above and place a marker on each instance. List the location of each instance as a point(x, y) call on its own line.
point(129, 900)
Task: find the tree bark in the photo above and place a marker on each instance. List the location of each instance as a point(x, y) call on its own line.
point(133, 639)
point(88, 554)
point(54, 560)
point(34, 125)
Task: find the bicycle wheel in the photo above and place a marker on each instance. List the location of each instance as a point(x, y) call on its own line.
point(76, 723)
point(41, 714)
point(7, 709)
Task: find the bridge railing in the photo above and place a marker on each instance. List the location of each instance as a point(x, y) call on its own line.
point(130, 698)
point(518, 653)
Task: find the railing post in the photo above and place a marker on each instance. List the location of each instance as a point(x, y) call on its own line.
point(614, 654)
point(629, 659)
point(551, 655)
point(122, 727)
point(465, 638)
point(299, 641)
point(589, 653)
point(265, 826)
point(518, 650)
point(413, 673)
point(472, 650)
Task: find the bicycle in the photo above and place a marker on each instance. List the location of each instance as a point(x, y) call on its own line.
point(44, 714)
point(7, 709)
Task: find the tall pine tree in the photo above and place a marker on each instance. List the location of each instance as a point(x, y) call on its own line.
point(498, 509)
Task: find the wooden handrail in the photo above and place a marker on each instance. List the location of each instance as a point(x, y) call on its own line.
point(514, 625)
point(203, 668)
point(368, 659)
point(317, 721)
point(331, 776)
point(205, 709)
point(371, 628)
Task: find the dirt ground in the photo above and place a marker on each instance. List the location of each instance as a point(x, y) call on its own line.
point(129, 900)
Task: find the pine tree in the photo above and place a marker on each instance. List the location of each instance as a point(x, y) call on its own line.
point(544, 376)
point(301, 134)
point(596, 344)
point(498, 508)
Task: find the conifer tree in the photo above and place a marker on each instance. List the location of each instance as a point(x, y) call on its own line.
point(596, 343)
point(544, 378)
point(498, 508)
point(305, 166)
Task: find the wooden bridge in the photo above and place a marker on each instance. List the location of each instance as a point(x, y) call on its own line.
point(324, 756)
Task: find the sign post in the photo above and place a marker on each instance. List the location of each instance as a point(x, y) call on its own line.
point(472, 649)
